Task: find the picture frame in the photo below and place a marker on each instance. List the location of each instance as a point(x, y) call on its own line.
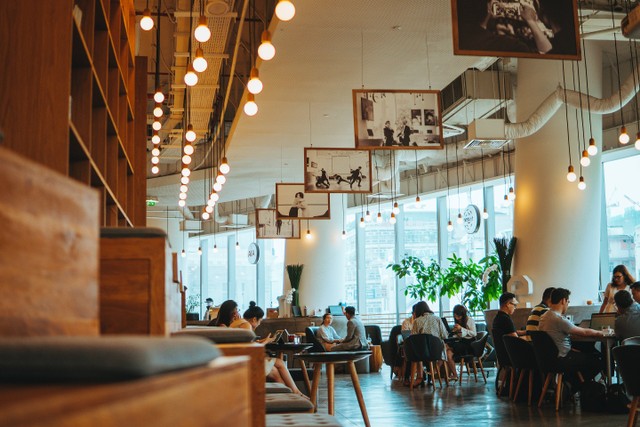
point(397, 119)
point(292, 202)
point(331, 170)
point(501, 28)
point(270, 227)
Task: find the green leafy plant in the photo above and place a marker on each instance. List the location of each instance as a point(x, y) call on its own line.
point(192, 303)
point(295, 274)
point(505, 249)
point(428, 277)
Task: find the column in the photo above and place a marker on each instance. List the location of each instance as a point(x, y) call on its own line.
point(322, 281)
point(557, 225)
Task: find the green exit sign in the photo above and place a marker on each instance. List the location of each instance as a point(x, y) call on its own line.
point(151, 202)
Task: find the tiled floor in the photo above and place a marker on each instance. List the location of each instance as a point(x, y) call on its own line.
point(389, 403)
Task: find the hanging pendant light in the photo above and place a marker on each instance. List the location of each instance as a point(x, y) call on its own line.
point(190, 135)
point(367, 216)
point(158, 96)
point(184, 179)
point(156, 125)
point(344, 235)
point(250, 107)
point(593, 148)
point(285, 10)
point(266, 51)
point(396, 208)
point(157, 111)
point(188, 149)
point(637, 143)
point(379, 218)
point(418, 202)
point(512, 194)
point(571, 175)
point(581, 184)
point(217, 187)
point(205, 215)
point(155, 151)
point(224, 166)
point(392, 218)
point(221, 179)
point(146, 23)
point(155, 169)
point(361, 222)
point(202, 33)
point(190, 78)
point(155, 138)
point(182, 203)
point(459, 218)
point(485, 214)
point(449, 226)
point(254, 85)
point(183, 253)
point(309, 236)
point(199, 63)
point(585, 160)
point(624, 137)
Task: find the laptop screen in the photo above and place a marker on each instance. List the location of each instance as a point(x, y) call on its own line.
point(336, 310)
point(602, 319)
point(446, 324)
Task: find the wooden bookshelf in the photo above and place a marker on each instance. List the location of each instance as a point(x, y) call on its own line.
point(68, 97)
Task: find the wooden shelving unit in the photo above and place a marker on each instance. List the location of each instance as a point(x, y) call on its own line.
point(73, 75)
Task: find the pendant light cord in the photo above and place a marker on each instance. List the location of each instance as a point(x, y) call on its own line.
point(615, 44)
point(566, 110)
point(586, 74)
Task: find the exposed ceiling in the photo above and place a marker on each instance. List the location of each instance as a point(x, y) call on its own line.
point(329, 48)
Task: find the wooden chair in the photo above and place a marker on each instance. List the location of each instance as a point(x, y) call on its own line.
point(523, 358)
point(627, 357)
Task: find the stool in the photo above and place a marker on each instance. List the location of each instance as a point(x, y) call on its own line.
point(302, 420)
point(276, 388)
point(278, 403)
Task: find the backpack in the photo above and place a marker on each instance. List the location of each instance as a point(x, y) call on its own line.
point(617, 399)
point(593, 397)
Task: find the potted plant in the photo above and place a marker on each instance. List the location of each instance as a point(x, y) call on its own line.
point(191, 305)
point(428, 277)
point(295, 273)
point(505, 248)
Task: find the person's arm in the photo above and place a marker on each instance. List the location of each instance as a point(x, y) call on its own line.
point(531, 18)
point(351, 330)
point(322, 335)
point(469, 331)
point(583, 332)
point(605, 300)
point(334, 335)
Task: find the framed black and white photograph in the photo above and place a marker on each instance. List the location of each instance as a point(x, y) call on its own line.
point(292, 202)
point(516, 28)
point(270, 227)
point(397, 119)
point(330, 170)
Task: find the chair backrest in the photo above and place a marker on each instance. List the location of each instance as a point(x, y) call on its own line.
point(374, 332)
point(478, 345)
point(310, 332)
point(435, 348)
point(415, 348)
point(501, 352)
point(546, 351)
point(631, 341)
point(627, 357)
point(520, 352)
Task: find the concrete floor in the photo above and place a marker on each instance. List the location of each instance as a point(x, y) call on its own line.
point(389, 403)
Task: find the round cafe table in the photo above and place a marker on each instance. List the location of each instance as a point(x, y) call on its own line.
point(330, 359)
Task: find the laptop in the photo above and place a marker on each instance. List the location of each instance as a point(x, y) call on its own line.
point(336, 310)
point(600, 320)
point(446, 325)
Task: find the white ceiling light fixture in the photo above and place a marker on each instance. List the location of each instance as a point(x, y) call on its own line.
point(571, 174)
point(188, 149)
point(224, 166)
point(156, 125)
point(155, 138)
point(158, 96)
point(190, 77)
point(199, 63)
point(155, 152)
point(157, 111)
point(155, 169)
point(266, 50)
point(190, 135)
point(202, 33)
point(146, 23)
point(250, 107)
point(285, 10)
point(254, 85)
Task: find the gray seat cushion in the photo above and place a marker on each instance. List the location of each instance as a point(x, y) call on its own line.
point(278, 403)
point(144, 232)
point(302, 420)
point(277, 388)
point(106, 358)
point(220, 335)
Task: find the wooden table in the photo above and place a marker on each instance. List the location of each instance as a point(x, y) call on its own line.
point(279, 349)
point(329, 359)
point(607, 342)
point(375, 363)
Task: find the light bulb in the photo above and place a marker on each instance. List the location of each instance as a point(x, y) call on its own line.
point(217, 186)
point(285, 10)
point(155, 138)
point(361, 222)
point(205, 215)
point(266, 51)
point(637, 144)
point(188, 149)
point(202, 33)
point(512, 194)
point(379, 218)
point(593, 148)
point(184, 179)
point(237, 245)
point(571, 175)
point(418, 202)
point(190, 78)
point(200, 249)
point(146, 23)
point(184, 188)
point(254, 85)
point(392, 218)
point(155, 160)
point(215, 249)
point(185, 171)
point(367, 216)
point(221, 179)
point(459, 218)
point(250, 107)
point(181, 203)
point(183, 253)
point(485, 214)
point(210, 204)
point(224, 166)
point(208, 208)
point(156, 125)
point(186, 159)
point(182, 196)
point(624, 137)
point(344, 235)
point(190, 135)
point(505, 201)
point(396, 209)
point(155, 170)
point(309, 236)
point(214, 196)
point(199, 63)
point(449, 226)
point(157, 111)
point(581, 184)
point(585, 160)
point(158, 96)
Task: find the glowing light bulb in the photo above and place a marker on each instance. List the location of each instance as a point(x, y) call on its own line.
point(459, 218)
point(250, 107)
point(146, 23)
point(254, 85)
point(155, 138)
point(237, 245)
point(485, 214)
point(215, 249)
point(512, 194)
point(571, 175)
point(396, 209)
point(183, 254)
point(210, 205)
point(224, 166)
point(418, 202)
point(624, 137)
point(379, 218)
point(155, 160)
point(361, 222)
point(190, 77)
point(155, 170)
point(392, 218)
point(344, 235)
point(156, 125)
point(184, 188)
point(449, 226)
point(206, 215)
point(285, 10)
point(157, 111)
point(208, 209)
point(581, 184)
point(505, 201)
point(221, 179)
point(188, 149)
point(593, 148)
point(585, 160)
point(199, 63)
point(185, 171)
point(190, 135)
point(199, 248)
point(266, 51)
point(184, 179)
point(367, 216)
point(637, 144)
point(214, 196)
point(158, 96)
point(182, 196)
point(217, 186)
point(309, 236)
point(202, 33)
point(181, 203)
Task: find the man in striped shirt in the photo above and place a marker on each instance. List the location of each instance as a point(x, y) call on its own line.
point(534, 318)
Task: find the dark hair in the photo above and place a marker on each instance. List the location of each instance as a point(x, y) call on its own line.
point(623, 299)
point(350, 310)
point(547, 293)
point(636, 285)
point(559, 294)
point(506, 297)
point(324, 316)
point(461, 311)
point(209, 300)
point(628, 278)
point(300, 193)
point(225, 314)
point(253, 311)
point(420, 308)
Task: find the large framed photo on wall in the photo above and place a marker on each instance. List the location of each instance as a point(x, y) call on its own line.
point(270, 227)
point(331, 170)
point(546, 29)
point(292, 202)
point(397, 119)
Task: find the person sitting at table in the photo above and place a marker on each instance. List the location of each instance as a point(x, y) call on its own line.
point(464, 330)
point(407, 323)
point(621, 280)
point(327, 336)
point(226, 315)
point(635, 291)
point(534, 318)
point(275, 369)
point(560, 329)
point(356, 338)
point(427, 323)
point(628, 321)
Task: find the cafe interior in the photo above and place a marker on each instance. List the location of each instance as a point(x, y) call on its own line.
point(175, 150)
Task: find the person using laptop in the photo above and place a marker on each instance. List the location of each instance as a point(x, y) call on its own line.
point(534, 318)
point(560, 329)
point(407, 323)
point(464, 330)
point(627, 323)
point(621, 279)
point(635, 291)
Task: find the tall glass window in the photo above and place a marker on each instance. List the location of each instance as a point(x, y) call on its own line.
point(217, 284)
point(464, 245)
point(246, 288)
point(273, 259)
point(380, 289)
point(503, 212)
point(350, 264)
